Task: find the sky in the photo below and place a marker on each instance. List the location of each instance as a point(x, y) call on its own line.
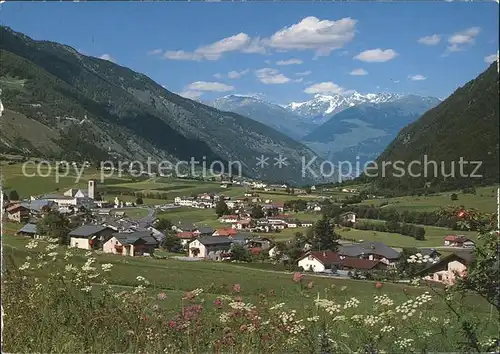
point(282, 52)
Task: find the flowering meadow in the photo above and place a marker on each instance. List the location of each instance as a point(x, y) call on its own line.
point(56, 299)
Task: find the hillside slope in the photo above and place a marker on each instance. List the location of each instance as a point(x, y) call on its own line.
point(266, 113)
point(92, 108)
point(465, 125)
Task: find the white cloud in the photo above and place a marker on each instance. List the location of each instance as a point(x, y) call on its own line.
point(326, 88)
point(430, 40)
point(107, 57)
point(358, 72)
point(239, 42)
point(218, 76)
point(289, 62)
point(304, 73)
point(312, 33)
point(416, 77)
point(270, 76)
point(299, 79)
point(460, 40)
point(192, 95)
point(376, 55)
point(491, 58)
point(237, 74)
point(180, 55)
point(155, 52)
point(209, 86)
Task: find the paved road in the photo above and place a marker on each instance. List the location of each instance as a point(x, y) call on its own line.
point(148, 219)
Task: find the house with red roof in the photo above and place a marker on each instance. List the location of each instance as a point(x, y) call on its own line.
point(186, 236)
point(458, 241)
point(318, 261)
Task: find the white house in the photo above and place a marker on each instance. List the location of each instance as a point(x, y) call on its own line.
point(211, 247)
point(138, 243)
point(348, 217)
point(449, 268)
point(318, 261)
point(228, 219)
point(184, 201)
point(89, 237)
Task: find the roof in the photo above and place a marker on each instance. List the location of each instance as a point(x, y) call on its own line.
point(325, 257)
point(185, 235)
point(226, 232)
point(56, 196)
point(130, 238)
point(368, 247)
point(28, 229)
point(428, 251)
point(463, 257)
point(87, 230)
point(37, 204)
point(15, 207)
point(456, 238)
point(186, 227)
point(206, 230)
point(357, 263)
point(214, 240)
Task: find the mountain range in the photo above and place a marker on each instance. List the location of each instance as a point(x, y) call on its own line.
point(353, 127)
point(322, 107)
point(62, 104)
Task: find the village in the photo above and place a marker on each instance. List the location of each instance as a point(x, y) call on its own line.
point(249, 223)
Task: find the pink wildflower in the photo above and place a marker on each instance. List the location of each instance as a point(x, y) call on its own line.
point(297, 277)
point(162, 296)
point(171, 324)
point(218, 302)
point(236, 288)
point(378, 285)
point(310, 285)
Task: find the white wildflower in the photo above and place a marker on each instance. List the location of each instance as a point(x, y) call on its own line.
point(32, 244)
point(25, 266)
point(106, 267)
point(87, 289)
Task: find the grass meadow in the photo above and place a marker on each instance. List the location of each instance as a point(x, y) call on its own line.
point(60, 300)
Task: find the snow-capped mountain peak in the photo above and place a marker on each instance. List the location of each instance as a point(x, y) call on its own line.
point(321, 107)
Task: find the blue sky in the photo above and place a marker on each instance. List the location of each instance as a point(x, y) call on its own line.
point(213, 49)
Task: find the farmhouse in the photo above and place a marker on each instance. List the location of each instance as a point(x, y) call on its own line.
point(242, 224)
point(184, 227)
point(205, 231)
point(89, 237)
point(138, 243)
point(318, 261)
point(214, 248)
point(28, 230)
point(448, 268)
point(17, 213)
point(348, 217)
point(185, 237)
point(375, 251)
point(458, 241)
